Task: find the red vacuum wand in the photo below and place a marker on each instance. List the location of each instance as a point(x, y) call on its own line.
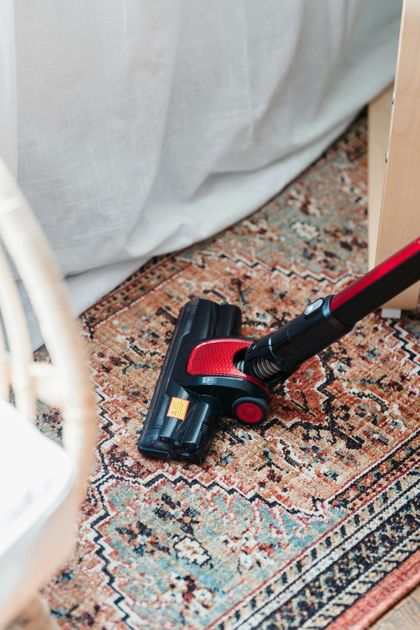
point(277, 355)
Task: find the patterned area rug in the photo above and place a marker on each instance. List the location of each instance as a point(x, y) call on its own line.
point(308, 521)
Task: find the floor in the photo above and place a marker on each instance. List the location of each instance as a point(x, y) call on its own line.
point(404, 616)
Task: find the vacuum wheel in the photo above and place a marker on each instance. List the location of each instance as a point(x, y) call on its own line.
point(250, 410)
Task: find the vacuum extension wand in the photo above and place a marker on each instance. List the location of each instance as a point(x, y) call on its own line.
point(276, 356)
point(210, 371)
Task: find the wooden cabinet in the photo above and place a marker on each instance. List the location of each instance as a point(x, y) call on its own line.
point(394, 156)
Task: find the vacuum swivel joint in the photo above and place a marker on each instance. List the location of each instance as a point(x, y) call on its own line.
point(276, 356)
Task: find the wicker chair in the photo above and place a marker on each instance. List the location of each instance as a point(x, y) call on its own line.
point(41, 483)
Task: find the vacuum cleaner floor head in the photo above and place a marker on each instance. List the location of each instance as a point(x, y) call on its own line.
point(200, 383)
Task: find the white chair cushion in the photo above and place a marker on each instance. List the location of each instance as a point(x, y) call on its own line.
point(37, 510)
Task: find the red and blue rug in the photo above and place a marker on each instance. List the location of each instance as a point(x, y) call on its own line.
point(309, 521)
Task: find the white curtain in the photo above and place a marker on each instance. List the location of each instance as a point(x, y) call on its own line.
point(145, 125)
point(8, 111)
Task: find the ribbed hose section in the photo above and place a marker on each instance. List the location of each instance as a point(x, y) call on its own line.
point(261, 368)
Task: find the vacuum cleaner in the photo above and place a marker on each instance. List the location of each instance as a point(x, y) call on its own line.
point(211, 371)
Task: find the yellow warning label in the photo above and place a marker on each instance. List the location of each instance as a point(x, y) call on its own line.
point(178, 408)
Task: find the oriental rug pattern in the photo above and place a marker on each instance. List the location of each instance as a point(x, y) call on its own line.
point(309, 521)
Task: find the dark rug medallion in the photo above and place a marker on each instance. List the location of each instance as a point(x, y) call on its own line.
point(308, 521)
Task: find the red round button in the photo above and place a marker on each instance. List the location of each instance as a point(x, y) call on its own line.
point(249, 412)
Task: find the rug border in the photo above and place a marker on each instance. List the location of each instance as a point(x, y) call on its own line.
point(382, 597)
